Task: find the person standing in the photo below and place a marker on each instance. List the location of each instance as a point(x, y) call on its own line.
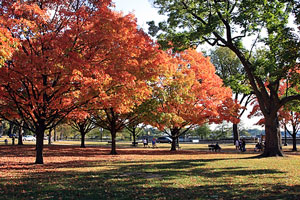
point(243, 145)
point(153, 142)
point(144, 142)
point(237, 144)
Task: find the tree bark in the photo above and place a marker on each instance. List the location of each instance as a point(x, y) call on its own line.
point(20, 138)
point(113, 141)
point(294, 139)
point(39, 145)
point(134, 139)
point(175, 135)
point(49, 137)
point(272, 143)
point(173, 146)
point(82, 140)
point(55, 135)
point(294, 142)
point(236, 134)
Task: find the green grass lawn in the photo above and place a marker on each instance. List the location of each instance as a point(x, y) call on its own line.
point(71, 172)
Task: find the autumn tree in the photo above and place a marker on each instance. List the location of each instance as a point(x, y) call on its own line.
point(231, 23)
point(54, 71)
point(132, 64)
point(81, 122)
point(189, 94)
point(230, 70)
point(290, 118)
point(135, 123)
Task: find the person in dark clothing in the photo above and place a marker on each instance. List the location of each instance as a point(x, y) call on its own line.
point(217, 147)
point(243, 147)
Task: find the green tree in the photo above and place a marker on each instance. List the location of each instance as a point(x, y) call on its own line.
point(202, 131)
point(227, 23)
point(230, 69)
point(221, 131)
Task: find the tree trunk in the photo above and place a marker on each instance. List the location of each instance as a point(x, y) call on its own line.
point(294, 142)
point(134, 139)
point(294, 139)
point(39, 145)
point(1, 127)
point(272, 145)
point(173, 145)
point(82, 139)
point(236, 134)
point(113, 141)
point(55, 135)
point(10, 131)
point(20, 138)
point(49, 137)
point(285, 138)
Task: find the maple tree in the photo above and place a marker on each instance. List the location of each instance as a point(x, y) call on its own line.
point(132, 64)
point(291, 118)
point(65, 45)
point(190, 93)
point(135, 123)
point(80, 121)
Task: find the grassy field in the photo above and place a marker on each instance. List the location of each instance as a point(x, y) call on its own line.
point(193, 172)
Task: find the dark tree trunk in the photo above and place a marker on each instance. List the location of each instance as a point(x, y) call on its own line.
point(20, 138)
point(236, 134)
point(285, 138)
point(10, 131)
point(175, 135)
point(49, 137)
point(134, 137)
point(272, 145)
point(173, 145)
point(113, 141)
point(1, 127)
point(294, 142)
point(82, 139)
point(294, 139)
point(55, 136)
point(39, 145)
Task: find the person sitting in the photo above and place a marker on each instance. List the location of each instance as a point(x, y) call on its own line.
point(217, 147)
point(258, 147)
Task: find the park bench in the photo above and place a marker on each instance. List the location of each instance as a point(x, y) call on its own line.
point(134, 143)
point(108, 142)
point(212, 147)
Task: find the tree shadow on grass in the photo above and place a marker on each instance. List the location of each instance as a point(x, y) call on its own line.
point(144, 179)
point(144, 182)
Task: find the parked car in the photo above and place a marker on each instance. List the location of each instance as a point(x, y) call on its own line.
point(29, 138)
point(183, 139)
point(164, 140)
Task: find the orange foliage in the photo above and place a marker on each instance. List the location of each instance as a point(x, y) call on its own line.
point(191, 93)
point(71, 52)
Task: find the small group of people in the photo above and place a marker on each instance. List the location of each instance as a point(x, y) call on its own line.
point(240, 145)
point(145, 142)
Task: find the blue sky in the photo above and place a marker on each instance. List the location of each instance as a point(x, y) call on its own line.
point(142, 9)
